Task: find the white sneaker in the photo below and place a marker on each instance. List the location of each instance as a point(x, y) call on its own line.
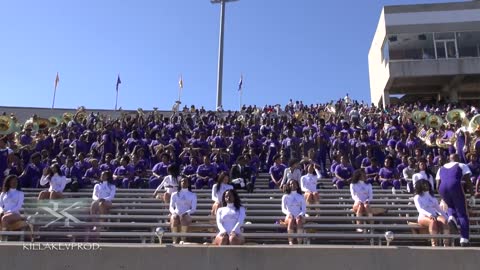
point(359, 230)
point(394, 191)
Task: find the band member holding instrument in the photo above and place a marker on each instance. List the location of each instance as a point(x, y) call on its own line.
point(451, 190)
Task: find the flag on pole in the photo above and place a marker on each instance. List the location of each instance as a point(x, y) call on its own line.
point(180, 82)
point(57, 80)
point(118, 81)
point(240, 83)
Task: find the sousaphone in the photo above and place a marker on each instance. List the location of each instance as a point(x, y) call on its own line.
point(54, 121)
point(434, 121)
point(6, 125)
point(420, 117)
point(455, 115)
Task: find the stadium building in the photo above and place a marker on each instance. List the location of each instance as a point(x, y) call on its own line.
point(427, 52)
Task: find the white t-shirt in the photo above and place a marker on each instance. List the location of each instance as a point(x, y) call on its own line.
point(464, 167)
point(422, 175)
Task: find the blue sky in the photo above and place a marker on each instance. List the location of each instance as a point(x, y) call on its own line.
point(310, 50)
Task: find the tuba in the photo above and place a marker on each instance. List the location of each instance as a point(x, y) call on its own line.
point(43, 123)
point(434, 121)
point(54, 121)
point(474, 128)
point(67, 117)
point(325, 115)
point(6, 125)
point(474, 124)
point(455, 115)
point(420, 117)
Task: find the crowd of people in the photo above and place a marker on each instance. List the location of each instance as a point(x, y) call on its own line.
point(400, 147)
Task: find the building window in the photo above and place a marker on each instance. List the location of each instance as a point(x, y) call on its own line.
point(385, 52)
point(468, 44)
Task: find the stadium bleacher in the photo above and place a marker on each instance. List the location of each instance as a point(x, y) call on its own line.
point(136, 215)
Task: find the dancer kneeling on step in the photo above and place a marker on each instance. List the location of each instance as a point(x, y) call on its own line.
point(230, 220)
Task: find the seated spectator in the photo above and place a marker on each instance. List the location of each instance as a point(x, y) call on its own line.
point(190, 170)
point(294, 207)
point(169, 183)
point(276, 172)
point(206, 174)
point(30, 178)
point(103, 195)
point(371, 172)
point(408, 173)
point(108, 164)
point(474, 166)
point(72, 173)
point(241, 175)
point(222, 185)
point(159, 171)
point(430, 215)
point(388, 176)
point(54, 177)
point(123, 174)
point(182, 205)
point(92, 175)
point(292, 172)
point(362, 195)
point(343, 173)
point(423, 174)
point(11, 201)
point(230, 218)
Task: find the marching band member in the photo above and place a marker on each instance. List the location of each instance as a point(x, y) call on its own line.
point(450, 188)
point(294, 207)
point(182, 205)
point(230, 220)
point(389, 176)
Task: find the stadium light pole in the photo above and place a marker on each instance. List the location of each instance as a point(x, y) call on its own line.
point(220, 49)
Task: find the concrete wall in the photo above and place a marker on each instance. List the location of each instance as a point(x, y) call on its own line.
point(378, 68)
point(261, 257)
point(24, 113)
point(461, 66)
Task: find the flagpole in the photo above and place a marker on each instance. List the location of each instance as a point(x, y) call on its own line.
point(241, 92)
point(54, 93)
point(116, 100)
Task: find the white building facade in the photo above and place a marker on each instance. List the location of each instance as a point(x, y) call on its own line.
point(426, 52)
